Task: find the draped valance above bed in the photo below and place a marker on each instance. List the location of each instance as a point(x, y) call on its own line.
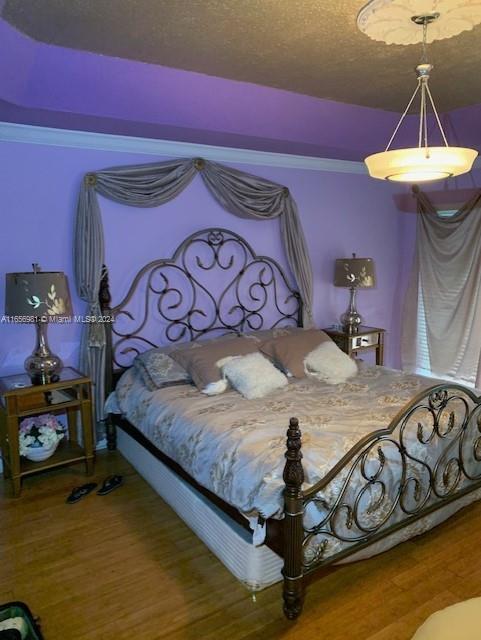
point(151, 185)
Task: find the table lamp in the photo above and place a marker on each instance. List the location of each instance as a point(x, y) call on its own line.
point(39, 297)
point(353, 273)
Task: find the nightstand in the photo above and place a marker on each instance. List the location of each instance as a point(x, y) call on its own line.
point(365, 339)
point(19, 398)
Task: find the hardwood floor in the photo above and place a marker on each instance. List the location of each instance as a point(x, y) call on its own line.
point(124, 566)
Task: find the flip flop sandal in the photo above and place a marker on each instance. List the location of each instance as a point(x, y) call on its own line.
point(80, 492)
point(109, 484)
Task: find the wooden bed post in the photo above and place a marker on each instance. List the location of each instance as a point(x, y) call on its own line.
point(300, 310)
point(293, 591)
point(105, 299)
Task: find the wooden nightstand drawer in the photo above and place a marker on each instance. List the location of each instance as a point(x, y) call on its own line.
point(369, 340)
point(32, 401)
point(46, 400)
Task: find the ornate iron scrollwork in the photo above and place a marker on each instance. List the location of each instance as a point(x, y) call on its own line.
point(213, 284)
point(428, 456)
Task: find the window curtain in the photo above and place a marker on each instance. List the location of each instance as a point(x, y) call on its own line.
point(151, 185)
point(446, 280)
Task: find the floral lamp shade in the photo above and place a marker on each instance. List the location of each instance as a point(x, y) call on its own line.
point(354, 272)
point(40, 295)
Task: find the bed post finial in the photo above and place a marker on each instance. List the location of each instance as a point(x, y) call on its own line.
point(293, 591)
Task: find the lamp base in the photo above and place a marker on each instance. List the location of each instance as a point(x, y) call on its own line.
point(351, 319)
point(43, 366)
point(351, 322)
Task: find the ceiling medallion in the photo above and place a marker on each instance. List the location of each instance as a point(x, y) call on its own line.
point(422, 163)
point(390, 20)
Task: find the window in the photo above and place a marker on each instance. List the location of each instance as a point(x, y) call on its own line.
point(423, 360)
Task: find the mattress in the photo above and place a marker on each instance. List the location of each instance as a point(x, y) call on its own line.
point(235, 447)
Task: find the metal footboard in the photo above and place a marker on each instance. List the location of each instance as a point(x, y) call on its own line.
point(429, 456)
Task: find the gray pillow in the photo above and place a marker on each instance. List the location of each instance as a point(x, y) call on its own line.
point(288, 352)
point(158, 370)
point(201, 359)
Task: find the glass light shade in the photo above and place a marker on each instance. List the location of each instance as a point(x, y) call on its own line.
point(415, 165)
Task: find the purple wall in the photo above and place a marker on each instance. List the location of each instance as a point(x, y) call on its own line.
point(463, 126)
point(59, 87)
point(340, 213)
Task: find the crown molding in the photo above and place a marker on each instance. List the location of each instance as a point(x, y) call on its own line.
point(29, 134)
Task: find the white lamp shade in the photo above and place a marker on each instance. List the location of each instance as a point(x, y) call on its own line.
point(420, 165)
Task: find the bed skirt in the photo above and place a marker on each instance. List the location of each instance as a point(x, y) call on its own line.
point(256, 567)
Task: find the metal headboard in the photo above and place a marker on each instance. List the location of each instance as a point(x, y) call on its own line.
point(213, 284)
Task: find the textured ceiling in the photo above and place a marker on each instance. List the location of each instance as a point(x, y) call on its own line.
point(307, 46)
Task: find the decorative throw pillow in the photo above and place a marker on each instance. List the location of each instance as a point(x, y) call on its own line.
point(201, 361)
point(328, 363)
point(253, 375)
point(158, 370)
point(289, 352)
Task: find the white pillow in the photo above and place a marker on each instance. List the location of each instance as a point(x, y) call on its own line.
point(253, 375)
point(328, 363)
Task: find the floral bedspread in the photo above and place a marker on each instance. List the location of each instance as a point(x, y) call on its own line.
point(235, 447)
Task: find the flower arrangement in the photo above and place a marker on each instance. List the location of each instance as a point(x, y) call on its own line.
point(43, 431)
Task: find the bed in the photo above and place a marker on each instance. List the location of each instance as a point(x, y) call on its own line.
point(387, 455)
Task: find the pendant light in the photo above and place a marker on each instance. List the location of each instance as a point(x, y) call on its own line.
point(422, 163)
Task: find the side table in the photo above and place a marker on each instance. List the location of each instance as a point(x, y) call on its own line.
point(365, 339)
point(19, 398)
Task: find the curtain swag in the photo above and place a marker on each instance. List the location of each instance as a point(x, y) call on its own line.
point(151, 185)
point(446, 280)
